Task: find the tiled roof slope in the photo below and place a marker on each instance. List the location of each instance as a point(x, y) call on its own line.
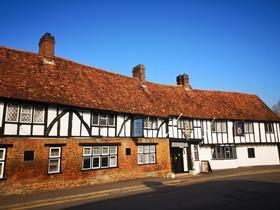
point(24, 75)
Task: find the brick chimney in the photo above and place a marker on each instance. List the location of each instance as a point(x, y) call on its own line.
point(46, 45)
point(139, 72)
point(184, 81)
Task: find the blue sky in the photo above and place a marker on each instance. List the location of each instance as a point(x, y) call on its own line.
point(222, 45)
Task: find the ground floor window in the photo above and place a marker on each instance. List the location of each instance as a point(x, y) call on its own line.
point(223, 152)
point(146, 154)
point(54, 160)
point(95, 157)
point(2, 162)
point(251, 152)
point(196, 154)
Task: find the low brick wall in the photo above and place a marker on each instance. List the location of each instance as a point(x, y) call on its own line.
point(23, 177)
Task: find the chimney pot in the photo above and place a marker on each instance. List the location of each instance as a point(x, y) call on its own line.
point(139, 72)
point(46, 45)
point(184, 81)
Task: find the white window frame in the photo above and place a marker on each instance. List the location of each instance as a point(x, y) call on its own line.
point(144, 154)
point(217, 127)
point(54, 157)
point(7, 110)
point(3, 162)
point(111, 152)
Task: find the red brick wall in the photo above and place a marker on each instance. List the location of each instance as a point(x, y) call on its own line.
point(31, 176)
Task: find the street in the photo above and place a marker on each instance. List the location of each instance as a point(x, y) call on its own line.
point(259, 191)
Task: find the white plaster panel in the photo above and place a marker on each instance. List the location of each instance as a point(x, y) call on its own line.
point(76, 125)
point(84, 131)
point(262, 131)
point(52, 113)
point(120, 120)
point(10, 129)
point(95, 131)
point(256, 132)
point(25, 130)
point(86, 117)
point(103, 131)
point(64, 122)
point(128, 128)
point(111, 132)
point(38, 130)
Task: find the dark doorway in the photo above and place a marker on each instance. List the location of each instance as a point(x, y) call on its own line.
point(177, 159)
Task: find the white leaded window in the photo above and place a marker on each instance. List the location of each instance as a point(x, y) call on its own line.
point(219, 126)
point(95, 157)
point(26, 113)
point(248, 127)
point(223, 152)
point(2, 162)
point(12, 113)
point(146, 154)
point(39, 114)
point(54, 160)
point(150, 123)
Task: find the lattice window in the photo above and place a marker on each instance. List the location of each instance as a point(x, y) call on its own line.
point(39, 114)
point(26, 113)
point(12, 113)
point(103, 119)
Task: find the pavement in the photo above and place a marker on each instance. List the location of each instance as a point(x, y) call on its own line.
point(50, 199)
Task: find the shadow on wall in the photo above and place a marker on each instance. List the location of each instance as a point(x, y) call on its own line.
point(218, 195)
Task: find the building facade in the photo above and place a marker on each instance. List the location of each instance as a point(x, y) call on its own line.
point(64, 124)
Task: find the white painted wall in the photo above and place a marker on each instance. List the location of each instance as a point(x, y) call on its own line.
point(264, 155)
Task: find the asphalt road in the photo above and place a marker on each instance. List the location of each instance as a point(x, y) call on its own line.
point(259, 191)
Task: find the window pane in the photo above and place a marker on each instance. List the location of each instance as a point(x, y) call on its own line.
point(147, 158)
point(1, 170)
point(146, 149)
point(152, 149)
point(54, 165)
point(26, 113)
point(39, 114)
point(111, 119)
point(12, 113)
point(96, 162)
point(152, 158)
point(103, 119)
point(86, 162)
point(95, 118)
point(87, 151)
point(140, 158)
point(54, 151)
point(96, 151)
point(105, 150)
point(2, 153)
point(113, 150)
point(213, 127)
point(140, 149)
point(113, 161)
point(104, 162)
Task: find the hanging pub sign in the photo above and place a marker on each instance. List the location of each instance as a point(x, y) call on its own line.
point(239, 128)
point(138, 127)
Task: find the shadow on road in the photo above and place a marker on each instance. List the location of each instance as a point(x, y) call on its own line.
point(218, 195)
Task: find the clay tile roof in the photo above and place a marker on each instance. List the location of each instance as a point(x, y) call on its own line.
point(25, 75)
